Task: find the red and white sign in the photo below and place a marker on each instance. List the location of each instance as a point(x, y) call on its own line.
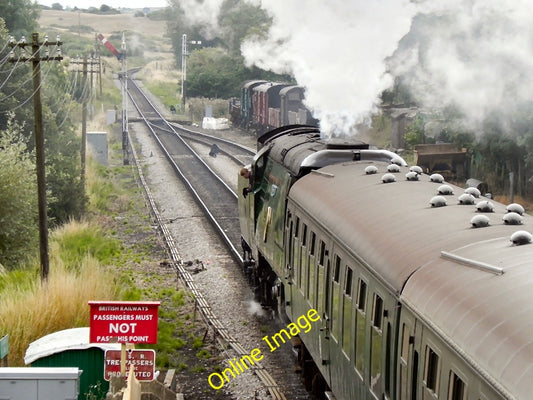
point(143, 362)
point(123, 321)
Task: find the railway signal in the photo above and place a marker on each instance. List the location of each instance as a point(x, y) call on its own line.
point(109, 46)
point(184, 54)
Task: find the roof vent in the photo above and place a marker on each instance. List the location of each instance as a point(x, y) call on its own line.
point(515, 208)
point(371, 169)
point(397, 160)
point(411, 176)
point(417, 169)
point(393, 168)
point(437, 201)
point(466, 199)
point(473, 191)
point(437, 178)
point(388, 178)
point(512, 218)
point(485, 206)
point(521, 237)
point(480, 221)
point(445, 190)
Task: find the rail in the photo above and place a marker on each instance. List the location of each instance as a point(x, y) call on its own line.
point(209, 317)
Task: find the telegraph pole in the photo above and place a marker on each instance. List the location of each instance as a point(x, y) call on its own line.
point(86, 95)
point(35, 58)
point(125, 140)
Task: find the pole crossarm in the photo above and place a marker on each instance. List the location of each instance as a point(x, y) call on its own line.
point(36, 46)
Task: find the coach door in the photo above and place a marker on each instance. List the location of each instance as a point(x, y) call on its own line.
point(324, 304)
point(408, 358)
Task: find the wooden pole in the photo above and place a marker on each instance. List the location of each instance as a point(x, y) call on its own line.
point(40, 159)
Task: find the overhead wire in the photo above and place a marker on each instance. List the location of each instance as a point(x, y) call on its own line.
point(24, 62)
point(21, 104)
point(70, 88)
point(70, 98)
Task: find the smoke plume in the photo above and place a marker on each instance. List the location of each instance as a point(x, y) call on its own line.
point(475, 55)
point(336, 50)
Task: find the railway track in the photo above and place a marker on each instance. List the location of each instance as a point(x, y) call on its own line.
point(211, 193)
point(207, 191)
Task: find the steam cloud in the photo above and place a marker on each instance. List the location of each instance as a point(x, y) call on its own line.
point(474, 54)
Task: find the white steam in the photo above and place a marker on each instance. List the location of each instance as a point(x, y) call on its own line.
point(336, 50)
point(476, 55)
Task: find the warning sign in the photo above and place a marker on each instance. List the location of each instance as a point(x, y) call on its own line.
point(123, 322)
point(143, 362)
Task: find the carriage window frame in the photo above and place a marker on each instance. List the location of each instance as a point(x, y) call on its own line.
point(312, 248)
point(362, 290)
point(348, 281)
point(432, 370)
point(322, 253)
point(457, 388)
point(337, 269)
point(377, 312)
point(304, 234)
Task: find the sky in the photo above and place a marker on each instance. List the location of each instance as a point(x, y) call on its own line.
point(83, 4)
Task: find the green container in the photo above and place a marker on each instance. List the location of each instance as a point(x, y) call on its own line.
point(90, 361)
point(71, 348)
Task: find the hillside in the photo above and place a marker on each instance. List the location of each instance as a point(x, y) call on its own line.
point(105, 24)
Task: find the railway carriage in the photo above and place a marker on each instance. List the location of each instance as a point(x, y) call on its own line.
point(268, 105)
point(422, 295)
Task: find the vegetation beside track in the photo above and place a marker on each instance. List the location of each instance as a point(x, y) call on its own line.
point(114, 254)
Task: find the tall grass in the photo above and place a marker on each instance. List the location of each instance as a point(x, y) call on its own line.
point(30, 309)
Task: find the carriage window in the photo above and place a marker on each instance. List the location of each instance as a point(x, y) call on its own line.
point(432, 370)
point(457, 388)
point(360, 325)
point(337, 270)
point(322, 253)
point(361, 298)
point(377, 316)
point(348, 283)
point(405, 342)
point(313, 241)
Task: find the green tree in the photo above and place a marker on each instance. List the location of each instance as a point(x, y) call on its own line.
point(213, 73)
point(239, 20)
point(66, 198)
point(415, 132)
point(20, 16)
point(18, 197)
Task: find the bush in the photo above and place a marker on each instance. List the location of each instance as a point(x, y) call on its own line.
point(18, 199)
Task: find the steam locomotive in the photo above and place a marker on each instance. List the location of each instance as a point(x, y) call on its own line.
point(263, 106)
point(425, 290)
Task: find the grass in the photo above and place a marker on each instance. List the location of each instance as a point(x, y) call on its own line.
point(90, 260)
point(77, 239)
point(30, 309)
